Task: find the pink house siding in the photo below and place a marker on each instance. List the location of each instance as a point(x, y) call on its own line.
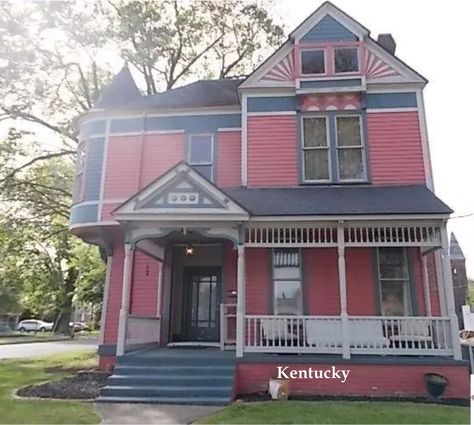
point(228, 159)
point(272, 151)
point(361, 282)
point(107, 210)
point(160, 153)
point(321, 282)
point(144, 292)
point(395, 148)
point(121, 175)
point(257, 276)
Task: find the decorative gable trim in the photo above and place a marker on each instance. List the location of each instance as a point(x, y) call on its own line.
point(328, 29)
point(181, 194)
point(283, 71)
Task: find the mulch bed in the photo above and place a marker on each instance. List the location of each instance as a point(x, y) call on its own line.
point(85, 385)
point(258, 397)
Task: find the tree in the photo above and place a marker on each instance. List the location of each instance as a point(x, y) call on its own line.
point(54, 59)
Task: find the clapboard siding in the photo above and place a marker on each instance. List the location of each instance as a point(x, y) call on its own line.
point(320, 282)
point(257, 280)
point(328, 29)
point(144, 292)
point(228, 160)
point(160, 153)
point(395, 147)
point(121, 175)
point(272, 151)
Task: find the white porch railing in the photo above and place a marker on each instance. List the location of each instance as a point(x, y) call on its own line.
point(141, 330)
point(367, 335)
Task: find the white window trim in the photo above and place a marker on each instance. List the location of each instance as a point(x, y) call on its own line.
point(211, 164)
point(80, 172)
point(300, 273)
point(314, 49)
point(361, 147)
point(407, 284)
point(328, 149)
point(357, 48)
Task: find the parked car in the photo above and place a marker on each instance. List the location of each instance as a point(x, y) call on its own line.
point(79, 326)
point(34, 325)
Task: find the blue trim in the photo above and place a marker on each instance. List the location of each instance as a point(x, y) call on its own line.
point(93, 168)
point(390, 100)
point(193, 123)
point(325, 84)
point(267, 104)
point(328, 29)
point(84, 214)
point(92, 127)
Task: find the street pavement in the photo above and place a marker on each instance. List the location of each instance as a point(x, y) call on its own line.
point(37, 349)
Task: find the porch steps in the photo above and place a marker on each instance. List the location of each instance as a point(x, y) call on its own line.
point(171, 379)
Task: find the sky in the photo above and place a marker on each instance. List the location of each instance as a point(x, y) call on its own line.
point(435, 38)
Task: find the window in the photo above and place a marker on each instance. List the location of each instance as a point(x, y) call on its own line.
point(78, 192)
point(315, 149)
point(313, 62)
point(333, 148)
point(346, 60)
point(394, 280)
point(287, 293)
point(201, 154)
point(349, 148)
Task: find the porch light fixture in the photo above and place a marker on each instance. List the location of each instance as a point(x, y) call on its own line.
point(189, 250)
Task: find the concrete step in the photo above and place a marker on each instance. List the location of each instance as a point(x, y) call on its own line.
point(202, 401)
point(208, 370)
point(167, 391)
point(175, 361)
point(171, 380)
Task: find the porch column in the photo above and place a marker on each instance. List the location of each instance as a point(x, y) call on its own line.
point(124, 308)
point(341, 263)
point(105, 302)
point(426, 283)
point(240, 319)
point(449, 292)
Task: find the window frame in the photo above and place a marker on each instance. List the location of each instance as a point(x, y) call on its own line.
point(300, 275)
point(327, 148)
point(314, 49)
point(80, 172)
point(189, 150)
point(357, 48)
point(410, 307)
point(361, 147)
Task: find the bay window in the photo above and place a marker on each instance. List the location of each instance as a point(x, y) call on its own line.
point(333, 148)
point(78, 191)
point(287, 291)
point(394, 282)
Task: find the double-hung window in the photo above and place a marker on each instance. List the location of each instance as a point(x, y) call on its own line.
point(350, 159)
point(316, 162)
point(287, 291)
point(201, 154)
point(394, 281)
point(333, 149)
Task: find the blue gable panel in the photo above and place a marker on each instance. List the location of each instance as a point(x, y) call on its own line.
point(325, 84)
point(267, 104)
point(193, 123)
point(93, 171)
point(126, 125)
point(328, 29)
point(390, 100)
point(84, 214)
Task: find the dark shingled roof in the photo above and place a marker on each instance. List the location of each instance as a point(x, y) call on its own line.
point(120, 92)
point(455, 250)
point(336, 200)
point(200, 93)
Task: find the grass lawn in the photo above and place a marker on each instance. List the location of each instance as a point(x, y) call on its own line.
point(44, 337)
point(339, 412)
point(17, 373)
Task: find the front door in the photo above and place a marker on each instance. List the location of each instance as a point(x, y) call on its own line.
point(201, 302)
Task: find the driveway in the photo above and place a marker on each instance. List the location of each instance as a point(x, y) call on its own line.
point(36, 349)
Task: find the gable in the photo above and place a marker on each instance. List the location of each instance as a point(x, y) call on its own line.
point(377, 68)
point(181, 194)
point(328, 29)
point(283, 71)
